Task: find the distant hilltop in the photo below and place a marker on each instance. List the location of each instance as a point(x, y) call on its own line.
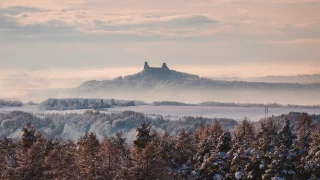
point(159, 73)
point(156, 83)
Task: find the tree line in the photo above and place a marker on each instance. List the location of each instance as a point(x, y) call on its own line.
point(211, 152)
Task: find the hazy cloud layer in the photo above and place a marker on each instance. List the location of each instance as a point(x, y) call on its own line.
point(220, 37)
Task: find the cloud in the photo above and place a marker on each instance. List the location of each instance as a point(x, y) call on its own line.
point(307, 31)
point(191, 20)
point(16, 10)
point(79, 24)
point(296, 42)
point(47, 34)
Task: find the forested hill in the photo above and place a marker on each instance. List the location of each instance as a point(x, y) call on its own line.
point(72, 126)
point(9, 103)
point(157, 84)
point(276, 150)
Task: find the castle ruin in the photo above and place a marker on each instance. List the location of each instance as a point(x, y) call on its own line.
point(164, 67)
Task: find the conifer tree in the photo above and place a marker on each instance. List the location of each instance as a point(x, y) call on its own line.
point(143, 136)
point(167, 152)
point(282, 165)
point(31, 156)
point(217, 165)
point(28, 136)
point(263, 149)
point(244, 135)
point(88, 161)
point(241, 156)
point(8, 161)
point(312, 164)
point(185, 148)
point(61, 161)
point(208, 139)
point(113, 155)
point(147, 164)
point(147, 161)
point(304, 128)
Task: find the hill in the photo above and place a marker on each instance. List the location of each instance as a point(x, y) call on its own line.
point(157, 84)
point(159, 73)
point(8, 103)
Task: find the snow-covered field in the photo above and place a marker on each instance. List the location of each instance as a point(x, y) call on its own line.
point(236, 113)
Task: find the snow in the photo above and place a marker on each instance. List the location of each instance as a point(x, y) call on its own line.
point(278, 178)
point(237, 113)
point(261, 166)
point(239, 174)
point(217, 177)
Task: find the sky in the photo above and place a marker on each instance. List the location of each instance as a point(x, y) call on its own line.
point(59, 44)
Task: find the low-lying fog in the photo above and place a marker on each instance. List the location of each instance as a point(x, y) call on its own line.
point(173, 112)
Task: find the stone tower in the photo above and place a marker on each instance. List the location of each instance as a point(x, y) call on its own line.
point(164, 66)
point(146, 65)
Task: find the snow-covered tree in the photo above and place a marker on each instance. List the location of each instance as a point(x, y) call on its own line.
point(28, 136)
point(240, 159)
point(244, 134)
point(304, 129)
point(282, 165)
point(263, 149)
point(113, 155)
point(217, 165)
point(146, 164)
point(167, 152)
point(87, 159)
point(144, 137)
point(185, 148)
point(61, 161)
point(30, 157)
point(312, 161)
point(244, 137)
point(8, 161)
point(207, 137)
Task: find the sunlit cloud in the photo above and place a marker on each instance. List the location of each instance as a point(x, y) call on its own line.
point(297, 42)
point(45, 44)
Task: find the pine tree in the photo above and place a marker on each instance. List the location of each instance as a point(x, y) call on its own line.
point(207, 141)
point(244, 134)
point(28, 136)
point(143, 136)
point(217, 165)
point(113, 155)
point(8, 161)
point(146, 164)
point(282, 165)
point(185, 148)
point(61, 161)
point(286, 137)
point(167, 152)
point(241, 156)
point(304, 128)
point(88, 160)
point(31, 158)
point(312, 164)
point(263, 149)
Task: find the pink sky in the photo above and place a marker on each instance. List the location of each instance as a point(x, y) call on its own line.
point(61, 43)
